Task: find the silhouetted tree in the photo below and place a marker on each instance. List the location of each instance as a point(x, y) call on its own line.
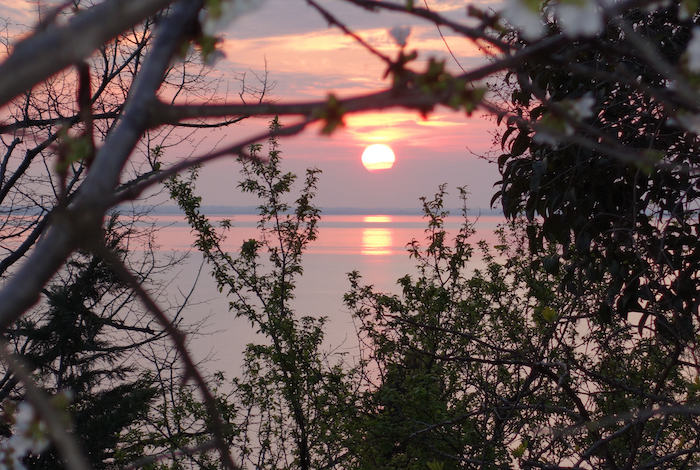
point(495, 368)
point(629, 222)
point(558, 33)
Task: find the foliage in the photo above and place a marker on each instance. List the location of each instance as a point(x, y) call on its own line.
point(633, 135)
point(177, 432)
point(291, 398)
point(29, 436)
point(85, 340)
point(487, 365)
point(90, 335)
point(631, 223)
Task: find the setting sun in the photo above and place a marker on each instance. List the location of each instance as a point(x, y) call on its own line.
point(378, 157)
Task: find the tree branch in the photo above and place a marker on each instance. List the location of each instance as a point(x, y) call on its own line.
point(51, 50)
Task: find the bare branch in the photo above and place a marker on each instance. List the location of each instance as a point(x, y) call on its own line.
point(178, 339)
point(56, 47)
point(81, 224)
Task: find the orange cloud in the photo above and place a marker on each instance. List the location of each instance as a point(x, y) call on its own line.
point(405, 126)
point(384, 127)
point(318, 60)
point(447, 5)
point(439, 123)
point(317, 55)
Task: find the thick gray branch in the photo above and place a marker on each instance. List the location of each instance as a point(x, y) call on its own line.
point(81, 223)
point(105, 172)
point(412, 98)
point(47, 52)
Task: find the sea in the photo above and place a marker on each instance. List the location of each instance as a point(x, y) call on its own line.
point(373, 244)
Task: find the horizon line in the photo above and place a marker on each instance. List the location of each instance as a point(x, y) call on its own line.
point(339, 210)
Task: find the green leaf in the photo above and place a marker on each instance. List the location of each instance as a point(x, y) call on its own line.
point(332, 114)
point(550, 315)
point(72, 149)
point(688, 8)
point(519, 451)
point(435, 465)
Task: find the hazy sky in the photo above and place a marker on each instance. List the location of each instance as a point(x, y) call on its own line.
point(307, 59)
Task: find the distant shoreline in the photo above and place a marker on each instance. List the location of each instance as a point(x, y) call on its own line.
point(252, 210)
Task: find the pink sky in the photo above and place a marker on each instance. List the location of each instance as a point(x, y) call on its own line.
point(307, 59)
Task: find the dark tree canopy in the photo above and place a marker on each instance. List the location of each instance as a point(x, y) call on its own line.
point(632, 223)
point(86, 340)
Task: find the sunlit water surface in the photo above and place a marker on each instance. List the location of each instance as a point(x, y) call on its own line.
point(374, 245)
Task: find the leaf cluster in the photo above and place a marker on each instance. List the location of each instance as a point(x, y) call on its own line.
point(493, 367)
point(629, 223)
point(290, 396)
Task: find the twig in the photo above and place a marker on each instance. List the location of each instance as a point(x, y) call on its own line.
point(334, 21)
point(135, 190)
point(186, 451)
point(178, 339)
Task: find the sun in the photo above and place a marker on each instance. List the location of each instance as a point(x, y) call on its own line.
point(378, 157)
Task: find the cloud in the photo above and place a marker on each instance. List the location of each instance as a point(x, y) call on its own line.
point(309, 64)
point(439, 123)
point(443, 5)
point(17, 18)
point(327, 57)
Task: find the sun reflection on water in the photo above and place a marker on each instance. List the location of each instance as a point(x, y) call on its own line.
point(376, 241)
point(375, 219)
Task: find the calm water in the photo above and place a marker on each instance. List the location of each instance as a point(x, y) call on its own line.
point(375, 245)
